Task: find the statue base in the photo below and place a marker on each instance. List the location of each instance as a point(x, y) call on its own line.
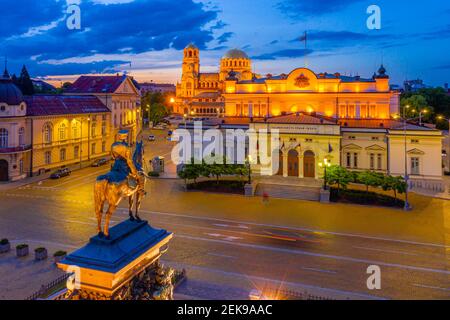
point(107, 269)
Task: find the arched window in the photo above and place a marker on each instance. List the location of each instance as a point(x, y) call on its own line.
point(62, 132)
point(93, 130)
point(48, 133)
point(22, 136)
point(3, 138)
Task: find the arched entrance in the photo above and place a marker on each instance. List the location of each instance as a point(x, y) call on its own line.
point(293, 169)
point(309, 165)
point(4, 174)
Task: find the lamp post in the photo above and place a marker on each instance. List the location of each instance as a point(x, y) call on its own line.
point(325, 165)
point(405, 120)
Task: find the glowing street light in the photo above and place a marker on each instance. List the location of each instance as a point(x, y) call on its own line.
point(325, 165)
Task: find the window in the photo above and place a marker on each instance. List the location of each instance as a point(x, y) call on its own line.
point(93, 130)
point(415, 166)
point(76, 152)
point(355, 160)
point(21, 166)
point(3, 138)
point(48, 133)
point(349, 160)
point(103, 147)
point(22, 136)
point(93, 148)
point(74, 131)
point(62, 155)
point(351, 138)
point(309, 140)
point(414, 141)
point(2, 108)
point(375, 139)
point(48, 157)
point(115, 120)
point(372, 161)
point(103, 128)
point(380, 161)
point(62, 132)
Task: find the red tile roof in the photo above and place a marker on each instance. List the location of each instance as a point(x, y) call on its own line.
point(299, 118)
point(47, 105)
point(96, 84)
point(378, 124)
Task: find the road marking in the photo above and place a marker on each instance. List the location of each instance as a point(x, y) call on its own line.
point(299, 229)
point(387, 251)
point(279, 284)
point(221, 255)
point(319, 255)
point(430, 287)
point(319, 270)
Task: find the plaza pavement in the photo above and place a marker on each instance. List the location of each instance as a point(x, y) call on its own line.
point(231, 244)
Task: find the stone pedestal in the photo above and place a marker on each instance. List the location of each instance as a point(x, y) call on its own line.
point(324, 196)
point(104, 268)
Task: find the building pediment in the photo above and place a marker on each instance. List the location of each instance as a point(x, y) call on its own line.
point(127, 86)
point(352, 147)
point(416, 152)
point(375, 147)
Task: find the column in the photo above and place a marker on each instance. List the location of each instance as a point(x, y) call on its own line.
point(301, 166)
point(285, 164)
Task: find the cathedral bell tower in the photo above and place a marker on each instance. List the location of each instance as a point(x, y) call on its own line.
point(191, 69)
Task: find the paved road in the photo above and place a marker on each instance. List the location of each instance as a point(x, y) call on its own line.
point(227, 256)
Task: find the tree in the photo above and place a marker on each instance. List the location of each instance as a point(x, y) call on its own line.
point(25, 83)
point(189, 172)
point(416, 103)
point(157, 112)
point(370, 179)
point(396, 184)
point(339, 176)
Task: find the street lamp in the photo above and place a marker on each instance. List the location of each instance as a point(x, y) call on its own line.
point(325, 165)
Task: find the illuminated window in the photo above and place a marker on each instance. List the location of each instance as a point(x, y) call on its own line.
point(62, 132)
point(48, 133)
point(22, 136)
point(380, 161)
point(48, 157)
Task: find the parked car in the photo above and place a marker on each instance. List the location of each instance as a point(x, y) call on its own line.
point(99, 162)
point(61, 173)
point(151, 138)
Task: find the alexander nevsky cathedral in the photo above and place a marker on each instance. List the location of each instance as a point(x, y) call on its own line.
point(347, 120)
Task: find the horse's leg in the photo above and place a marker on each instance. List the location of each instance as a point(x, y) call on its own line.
point(138, 205)
point(130, 206)
point(99, 206)
point(111, 209)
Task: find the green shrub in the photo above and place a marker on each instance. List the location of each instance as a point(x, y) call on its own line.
point(154, 174)
point(59, 253)
point(22, 246)
point(39, 250)
point(364, 198)
point(4, 242)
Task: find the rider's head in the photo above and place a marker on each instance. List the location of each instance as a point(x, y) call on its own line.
point(123, 135)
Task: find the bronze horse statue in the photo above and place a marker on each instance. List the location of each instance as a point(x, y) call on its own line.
point(126, 179)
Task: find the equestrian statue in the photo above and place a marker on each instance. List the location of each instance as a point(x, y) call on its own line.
point(126, 179)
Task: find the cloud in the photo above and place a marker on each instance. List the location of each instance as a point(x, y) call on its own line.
point(298, 9)
point(139, 25)
point(224, 37)
point(288, 53)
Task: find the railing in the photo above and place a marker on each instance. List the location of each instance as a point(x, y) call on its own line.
point(15, 149)
point(45, 288)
